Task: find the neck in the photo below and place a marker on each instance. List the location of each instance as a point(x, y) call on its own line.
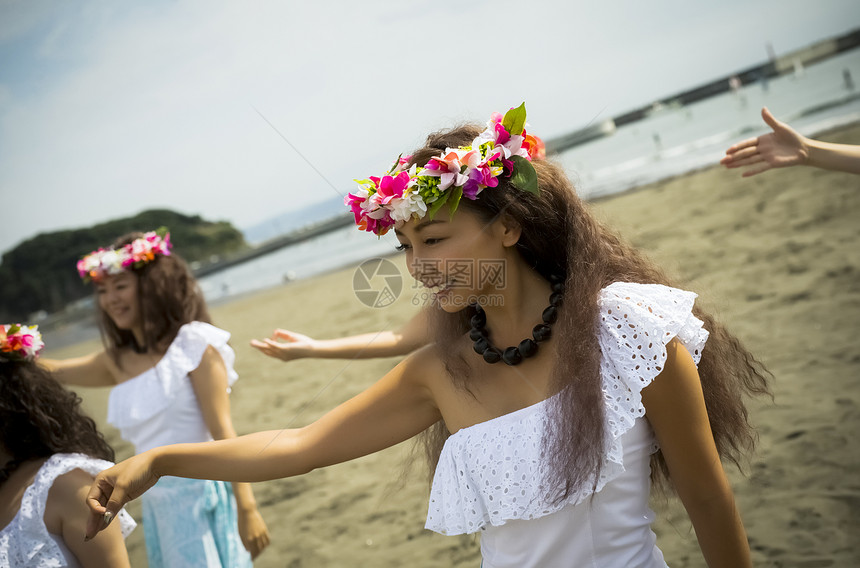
point(524, 298)
point(137, 332)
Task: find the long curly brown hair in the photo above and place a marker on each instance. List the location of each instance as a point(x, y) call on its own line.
point(168, 298)
point(560, 237)
point(39, 418)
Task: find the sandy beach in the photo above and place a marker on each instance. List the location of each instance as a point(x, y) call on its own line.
point(776, 256)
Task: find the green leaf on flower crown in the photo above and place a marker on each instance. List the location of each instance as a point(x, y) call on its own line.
point(161, 231)
point(515, 120)
point(437, 205)
point(396, 162)
point(524, 177)
point(454, 200)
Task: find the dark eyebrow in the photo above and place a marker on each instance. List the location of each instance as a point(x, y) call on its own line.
point(420, 226)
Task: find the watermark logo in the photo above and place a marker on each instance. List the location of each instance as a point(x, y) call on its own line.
point(377, 283)
point(463, 272)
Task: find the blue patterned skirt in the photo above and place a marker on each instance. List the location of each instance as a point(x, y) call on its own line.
point(192, 522)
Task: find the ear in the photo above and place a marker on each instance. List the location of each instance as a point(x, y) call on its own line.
point(510, 230)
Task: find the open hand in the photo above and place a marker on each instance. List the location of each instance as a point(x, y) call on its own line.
point(285, 345)
point(778, 149)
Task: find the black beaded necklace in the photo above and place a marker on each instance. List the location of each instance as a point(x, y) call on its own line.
point(527, 347)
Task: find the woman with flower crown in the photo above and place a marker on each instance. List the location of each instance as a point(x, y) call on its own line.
point(49, 452)
point(171, 373)
point(555, 393)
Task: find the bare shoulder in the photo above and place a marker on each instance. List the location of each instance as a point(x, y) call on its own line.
point(427, 367)
point(211, 358)
point(67, 499)
point(423, 366)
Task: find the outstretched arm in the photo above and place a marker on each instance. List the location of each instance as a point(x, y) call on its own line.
point(397, 407)
point(93, 370)
point(675, 408)
point(785, 147)
point(289, 345)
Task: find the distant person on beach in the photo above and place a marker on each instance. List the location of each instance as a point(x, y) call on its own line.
point(171, 373)
point(785, 147)
point(546, 448)
point(49, 453)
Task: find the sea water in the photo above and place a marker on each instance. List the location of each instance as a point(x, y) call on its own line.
point(672, 140)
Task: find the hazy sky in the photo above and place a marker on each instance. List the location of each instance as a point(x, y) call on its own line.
point(109, 109)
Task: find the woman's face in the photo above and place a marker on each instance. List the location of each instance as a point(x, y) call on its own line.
point(117, 296)
point(460, 259)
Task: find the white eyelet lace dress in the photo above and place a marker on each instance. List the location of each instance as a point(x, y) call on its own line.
point(489, 475)
point(186, 522)
point(25, 542)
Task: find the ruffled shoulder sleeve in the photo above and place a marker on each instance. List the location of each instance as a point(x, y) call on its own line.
point(637, 321)
point(140, 398)
point(34, 541)
point(186, 351)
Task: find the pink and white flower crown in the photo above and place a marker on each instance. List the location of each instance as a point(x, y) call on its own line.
point(503, 149)
point(108, 262)
point(19, 342)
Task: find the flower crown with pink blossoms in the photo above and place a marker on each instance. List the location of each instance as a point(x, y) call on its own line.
point(503, 149)
point(20, 342)
point(140, 251)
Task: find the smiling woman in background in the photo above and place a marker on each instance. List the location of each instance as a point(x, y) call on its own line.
point(171, 372)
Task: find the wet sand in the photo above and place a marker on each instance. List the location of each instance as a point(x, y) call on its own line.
point(776, 256)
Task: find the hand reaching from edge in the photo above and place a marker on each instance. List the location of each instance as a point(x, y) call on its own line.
point(778, 149)
point(116, 486)
point(285, 345)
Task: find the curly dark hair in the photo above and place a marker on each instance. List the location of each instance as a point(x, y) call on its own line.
point(560, 237)
point(39, 418)
point(168, 297)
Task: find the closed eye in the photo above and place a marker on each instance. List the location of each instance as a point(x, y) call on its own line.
point(401, 246)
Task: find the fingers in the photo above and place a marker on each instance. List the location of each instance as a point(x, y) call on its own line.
point(754, 159)
point(745, 153)
point(260, 544)
point(770, 119)
point(284, 334)
point(101, 492)
point(737, 159)
point(741, 145)
point(255, 545)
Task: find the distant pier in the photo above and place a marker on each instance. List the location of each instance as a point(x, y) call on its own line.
point(776, 67)
point(272, 245)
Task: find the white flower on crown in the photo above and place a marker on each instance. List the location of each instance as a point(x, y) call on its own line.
point(90, 263)
point(404, 208)
point(111, 261)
